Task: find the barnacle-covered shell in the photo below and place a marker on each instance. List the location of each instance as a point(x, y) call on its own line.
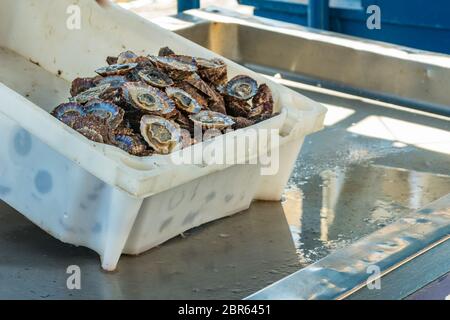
point(265, 116)
point(183, 100)
point(93, 128)
point(197, 82)
point(116, 69)
point(144, 62)
point(93, 93)
point(216, 101)
point(68, 112)
point(109, 112)
point(123, 129)
point(148, 99)
point(132, 118)
point(221, 89)
point(262, 102)
point(242, 87)
point(236, 107)
point(161, 134)
point(241, 122)
point(165, 51)
point(184, 122)
point(131, 143)
point(113, 93)
point(81, 84)
point(213, 70)
point(211, 120)
point(111, 60)
point(217, 105)
point(155, 77)
point(175, 67)
point(127, 57)
point(196, 94)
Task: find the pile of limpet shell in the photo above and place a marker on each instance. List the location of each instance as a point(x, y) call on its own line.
point(141, 103)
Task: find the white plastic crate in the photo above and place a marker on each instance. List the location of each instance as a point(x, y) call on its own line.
point(96, 195)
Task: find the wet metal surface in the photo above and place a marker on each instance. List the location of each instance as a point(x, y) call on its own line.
point(372, 165)
point(437, 290)
point(349, 182)
point(227, 259)
point(413, 278)
point(347, 270)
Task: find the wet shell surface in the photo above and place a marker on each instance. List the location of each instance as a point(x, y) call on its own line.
point(212, 120)
point(114, 81)
point(176, 68)
point(197, 82)
point(126, 57)
point(183, 100)
point(116, 69)
point(241, 122)
point(132, 144)
point(155, 77)
point(111, 60)
point(165, 51)
point(236, 107)
point(162, 135)
point(196, 94)
point(93, 93)
point(109, 112)
point(148, 99)
point(93, 128)
point(214, 70)
point(68, 112)
point(81, 84)
point(184, 122)
point(124, 129)
point(216, 102)
point(262, 102)
point(242, 87)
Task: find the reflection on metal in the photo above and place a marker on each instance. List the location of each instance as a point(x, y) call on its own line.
point(331, 189)
point(345, 271)
point(331, 208)
point(391, 73)
point(412, 276)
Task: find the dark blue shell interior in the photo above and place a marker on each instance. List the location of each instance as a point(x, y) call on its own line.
point(69, 109)
point(131, 144)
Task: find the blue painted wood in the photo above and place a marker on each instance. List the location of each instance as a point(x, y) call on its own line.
point(184, 5)
point(288, 6)
point(421, 24)
point(318, 14)
point(292, 18)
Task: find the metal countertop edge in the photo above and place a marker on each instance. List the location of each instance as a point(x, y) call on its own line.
point(346, 271)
